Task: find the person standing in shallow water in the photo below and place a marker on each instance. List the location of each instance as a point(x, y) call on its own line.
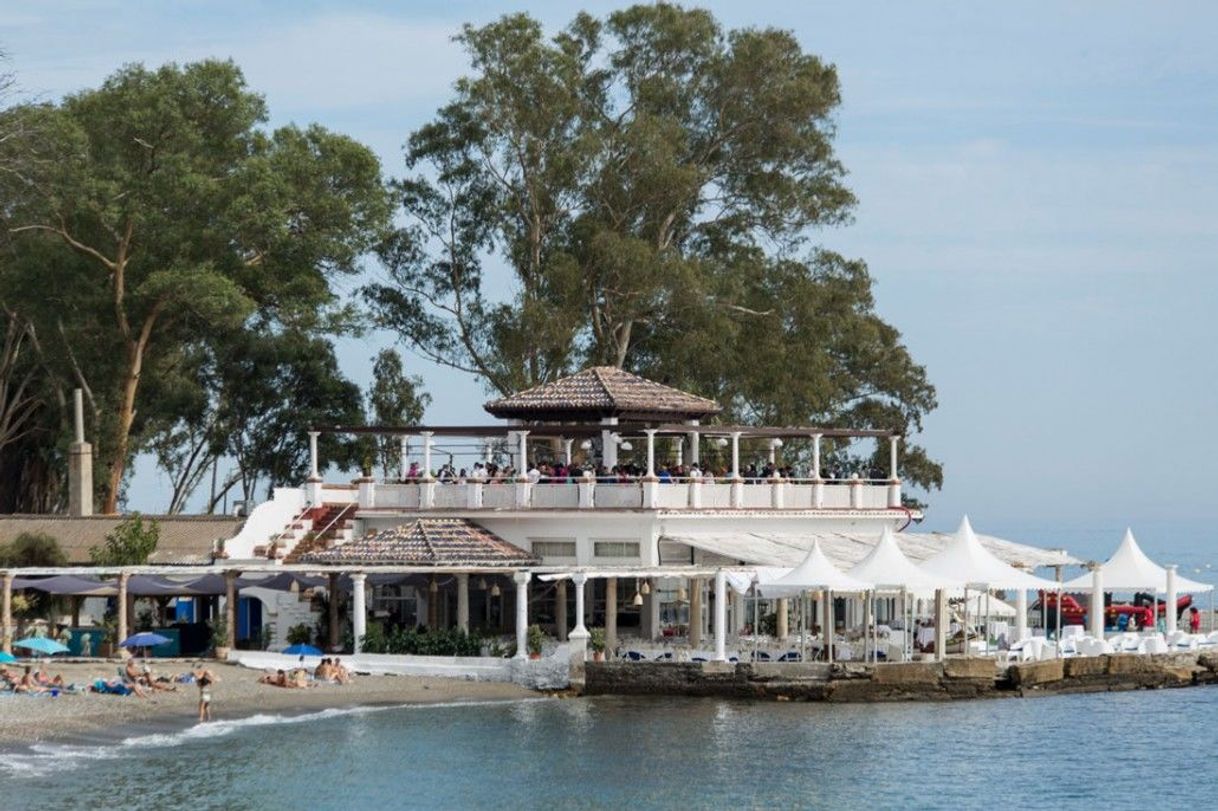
point(205, 680)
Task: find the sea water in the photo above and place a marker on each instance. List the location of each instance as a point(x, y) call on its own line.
point(1117, 750)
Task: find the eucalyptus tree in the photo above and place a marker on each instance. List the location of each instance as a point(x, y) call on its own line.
point(171, 216)
point(644, 190)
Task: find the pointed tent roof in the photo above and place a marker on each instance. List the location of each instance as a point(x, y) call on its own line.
point(602, 391)
point(964, 560)
point(1129, 569)
point(887, 566)
point(428, 542)
point(814, 573)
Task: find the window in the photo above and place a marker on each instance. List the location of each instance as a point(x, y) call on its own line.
point(552, 548)
point(615, 549)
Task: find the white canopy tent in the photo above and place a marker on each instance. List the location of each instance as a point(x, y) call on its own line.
point(889, 569)
point(966, 561)
point(1129, 569)
point(815, 573)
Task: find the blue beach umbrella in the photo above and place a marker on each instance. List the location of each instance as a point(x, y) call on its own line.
point(7, 658)
point(40, 644)
point(144, 639)
point(302, 650)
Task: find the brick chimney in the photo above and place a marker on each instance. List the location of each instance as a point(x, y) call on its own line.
point(80, 464)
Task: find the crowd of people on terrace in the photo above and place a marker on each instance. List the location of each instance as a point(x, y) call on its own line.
point(560, 472)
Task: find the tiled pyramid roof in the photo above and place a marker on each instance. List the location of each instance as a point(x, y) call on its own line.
point(427, 542)
point(601, 391)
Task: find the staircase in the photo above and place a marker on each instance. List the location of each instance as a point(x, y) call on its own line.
point(328, 523)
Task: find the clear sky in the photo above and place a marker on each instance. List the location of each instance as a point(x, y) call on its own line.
point(1038, 187)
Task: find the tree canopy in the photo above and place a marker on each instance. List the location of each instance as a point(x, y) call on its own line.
point(170, 225)
point(644, 190)
point(128, 544)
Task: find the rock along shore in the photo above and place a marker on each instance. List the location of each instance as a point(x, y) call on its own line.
point(962, 678)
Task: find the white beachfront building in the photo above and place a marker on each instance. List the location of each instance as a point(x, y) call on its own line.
point(644, 554)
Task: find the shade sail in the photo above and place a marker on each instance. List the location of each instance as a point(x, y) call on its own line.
point(66, 584)
point(815, 573)
point(1129, 569)
point(966, 561)
point(887, 567)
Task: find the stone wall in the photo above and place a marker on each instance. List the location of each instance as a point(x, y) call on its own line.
point(907, 681)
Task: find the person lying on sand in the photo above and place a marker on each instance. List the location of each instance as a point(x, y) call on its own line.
point(44, 680)
point(145, 677)
point(117, 685)
point(27, 684)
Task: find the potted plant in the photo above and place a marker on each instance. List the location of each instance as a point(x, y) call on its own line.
point(219, 638)
point(596, 641)
point(534, 640)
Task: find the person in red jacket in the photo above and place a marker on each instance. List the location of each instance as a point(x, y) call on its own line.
point(1194, 620)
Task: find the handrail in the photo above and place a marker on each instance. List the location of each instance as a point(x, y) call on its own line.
point(335, 520)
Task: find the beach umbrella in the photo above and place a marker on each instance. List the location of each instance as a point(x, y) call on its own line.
point(7, 658)
point(40, 644)
point(302, 650)
point(144, 639)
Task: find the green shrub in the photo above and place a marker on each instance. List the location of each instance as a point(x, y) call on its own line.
point(299, 635)
point(416, 642)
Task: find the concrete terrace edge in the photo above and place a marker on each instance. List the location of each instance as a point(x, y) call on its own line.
point(964, 678)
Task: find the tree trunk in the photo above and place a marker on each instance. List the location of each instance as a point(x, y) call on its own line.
point(126, 411)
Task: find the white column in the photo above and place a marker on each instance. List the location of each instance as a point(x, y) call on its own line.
point(463, 602)
point(579, 580)
point(940, 625)
point(720, 616)
point(523, 439)
point(566, 449)
point(426, 454)
point(651, 452)
point(359, 608)
point(1096, 614)
point(488, 449)
point(404, 456)
point(695, 612)
point(608, 443)
point(1169, 611)
point(1021, 615)
point(653, 609)
point(892, 457)
point(679, 450)
point(816, 457)
point(314, 471)
point(782, 613)
point(694, 443)
point(736, 455)
point(737, 612)
point(522, 614)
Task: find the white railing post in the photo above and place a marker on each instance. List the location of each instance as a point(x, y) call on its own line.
point(777, 493)
point(695, 494)
point(1097, 601)
point(856, 492)
point(1169, 613)
point(587, 484)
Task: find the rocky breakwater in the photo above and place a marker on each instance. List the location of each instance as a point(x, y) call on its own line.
point(961, 678)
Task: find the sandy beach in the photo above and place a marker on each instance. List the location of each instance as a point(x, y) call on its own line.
point(30, 719)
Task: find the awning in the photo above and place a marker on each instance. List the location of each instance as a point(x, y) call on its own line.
point(847, 549)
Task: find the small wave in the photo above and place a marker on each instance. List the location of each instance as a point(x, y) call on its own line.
point(45, 758)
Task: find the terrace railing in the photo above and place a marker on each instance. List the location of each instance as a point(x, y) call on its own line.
point(588, 493)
